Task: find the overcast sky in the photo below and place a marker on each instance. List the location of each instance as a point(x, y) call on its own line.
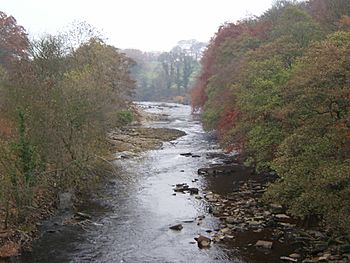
point(149, 25)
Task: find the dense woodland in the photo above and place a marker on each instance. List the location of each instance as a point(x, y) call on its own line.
point(59, 96)
point(277, 88)
point(166, 76)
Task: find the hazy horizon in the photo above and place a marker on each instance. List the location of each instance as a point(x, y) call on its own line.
point(153, 25)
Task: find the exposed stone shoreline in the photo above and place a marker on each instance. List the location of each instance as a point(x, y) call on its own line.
point(136, 139)
point(248, 223)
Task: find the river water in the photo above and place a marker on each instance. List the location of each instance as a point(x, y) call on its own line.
point(133, 212)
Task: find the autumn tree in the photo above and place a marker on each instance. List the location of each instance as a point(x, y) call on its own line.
point(13, 39)
point(64, 100)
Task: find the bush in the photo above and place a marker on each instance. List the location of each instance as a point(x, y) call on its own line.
point(124, 117)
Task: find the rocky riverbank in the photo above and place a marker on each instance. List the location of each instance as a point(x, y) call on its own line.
point(249, 224)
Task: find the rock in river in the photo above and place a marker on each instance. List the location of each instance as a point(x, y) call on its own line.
point(264, 244)
point(177, 227)
point(203, 241)
point(81, 216)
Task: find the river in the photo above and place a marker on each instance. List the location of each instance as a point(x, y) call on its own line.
point(133, 212)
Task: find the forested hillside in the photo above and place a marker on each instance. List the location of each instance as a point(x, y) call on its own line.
point(59, 96)
point(277, 88)
point(166, 76)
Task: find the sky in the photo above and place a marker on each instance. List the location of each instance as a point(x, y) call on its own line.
point(148, 25)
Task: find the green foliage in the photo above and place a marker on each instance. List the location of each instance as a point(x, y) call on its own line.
point(211, 118)
point(262, 141)
point(125, 117)
point(26, 152)
point(276, 87)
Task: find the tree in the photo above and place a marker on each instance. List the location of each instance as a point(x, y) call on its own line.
point(13, 39)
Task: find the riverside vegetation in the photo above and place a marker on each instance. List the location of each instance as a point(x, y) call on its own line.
point(59, 96)
point(277, 88)
point(274, 87)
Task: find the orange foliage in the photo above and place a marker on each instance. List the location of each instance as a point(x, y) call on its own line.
point(6, 128)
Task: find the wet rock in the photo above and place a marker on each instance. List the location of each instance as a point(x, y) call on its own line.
point(289, 259)
point(231, 220)
point(181, 187)
point(264, 244)
point(177, 227)
point(82, 216)
point(254, 224)
point(324, 258)
point(126, 155)
point(203, 241)
point(219, 169)
point(188, 221)
point(295, 255)
point(225, 230)
point(193, 190)
point(276, 208)
point(51, 231)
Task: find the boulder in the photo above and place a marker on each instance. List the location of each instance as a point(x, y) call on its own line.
point(264, 244)
point(203, 241)
point(181, 187)
point(82, 216)
point(193, 190)
point(177, 227)
point(281, 217)
point(231, 220)
point(276, 208)
point(289, 259)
